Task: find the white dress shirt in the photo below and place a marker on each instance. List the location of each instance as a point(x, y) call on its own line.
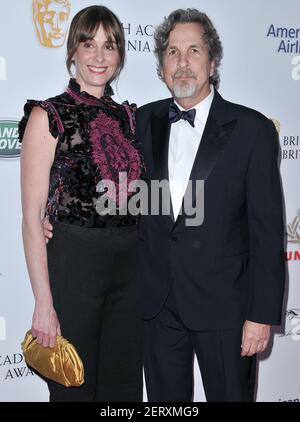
point(183, 145)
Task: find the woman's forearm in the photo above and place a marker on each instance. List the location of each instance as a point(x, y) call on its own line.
point(36, 258)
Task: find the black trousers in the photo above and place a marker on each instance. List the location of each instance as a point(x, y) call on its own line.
point(92, 276)
point(169, 348)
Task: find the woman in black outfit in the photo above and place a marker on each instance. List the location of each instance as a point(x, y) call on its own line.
point(75, 145)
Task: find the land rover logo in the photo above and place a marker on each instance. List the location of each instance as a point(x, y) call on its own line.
point(9, 139)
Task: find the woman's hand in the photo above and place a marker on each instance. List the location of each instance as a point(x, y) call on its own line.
point(45, 324)
point(48, 228)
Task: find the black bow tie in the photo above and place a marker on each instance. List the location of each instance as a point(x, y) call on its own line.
point(175, 114)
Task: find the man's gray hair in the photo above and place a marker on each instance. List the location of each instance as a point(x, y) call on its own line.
point(210, 37)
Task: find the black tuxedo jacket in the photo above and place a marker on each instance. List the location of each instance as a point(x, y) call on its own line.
point(231, 267)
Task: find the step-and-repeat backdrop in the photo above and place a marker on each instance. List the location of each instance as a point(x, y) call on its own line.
point(261, 69)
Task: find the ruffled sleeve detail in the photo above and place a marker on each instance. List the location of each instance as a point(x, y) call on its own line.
point(56, 127)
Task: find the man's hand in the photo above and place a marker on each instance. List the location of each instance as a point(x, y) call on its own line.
point(255, 338)
point(47, 230)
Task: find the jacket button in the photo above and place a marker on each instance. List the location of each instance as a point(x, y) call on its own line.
point(174, 238)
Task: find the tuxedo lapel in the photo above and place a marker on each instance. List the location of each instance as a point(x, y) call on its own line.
point(217, 132)
point(214, 139)
point(160, 134)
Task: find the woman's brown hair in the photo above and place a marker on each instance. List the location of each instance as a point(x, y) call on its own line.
point(84, 26)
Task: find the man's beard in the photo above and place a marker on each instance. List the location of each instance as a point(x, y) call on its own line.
point(184, 88)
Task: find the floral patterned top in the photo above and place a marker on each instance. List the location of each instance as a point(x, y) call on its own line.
point(96, 151)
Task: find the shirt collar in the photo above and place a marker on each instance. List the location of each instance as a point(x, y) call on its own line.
point(202, 108)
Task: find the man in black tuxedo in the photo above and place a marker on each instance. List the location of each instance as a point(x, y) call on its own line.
point(213, 288)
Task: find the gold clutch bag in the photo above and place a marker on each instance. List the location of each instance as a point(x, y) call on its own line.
point(60, 363)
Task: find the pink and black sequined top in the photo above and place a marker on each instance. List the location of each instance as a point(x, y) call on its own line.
point(95, 144)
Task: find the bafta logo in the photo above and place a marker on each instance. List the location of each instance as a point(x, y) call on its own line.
point(50, 18)
point(292, 326)
point(293, 229)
